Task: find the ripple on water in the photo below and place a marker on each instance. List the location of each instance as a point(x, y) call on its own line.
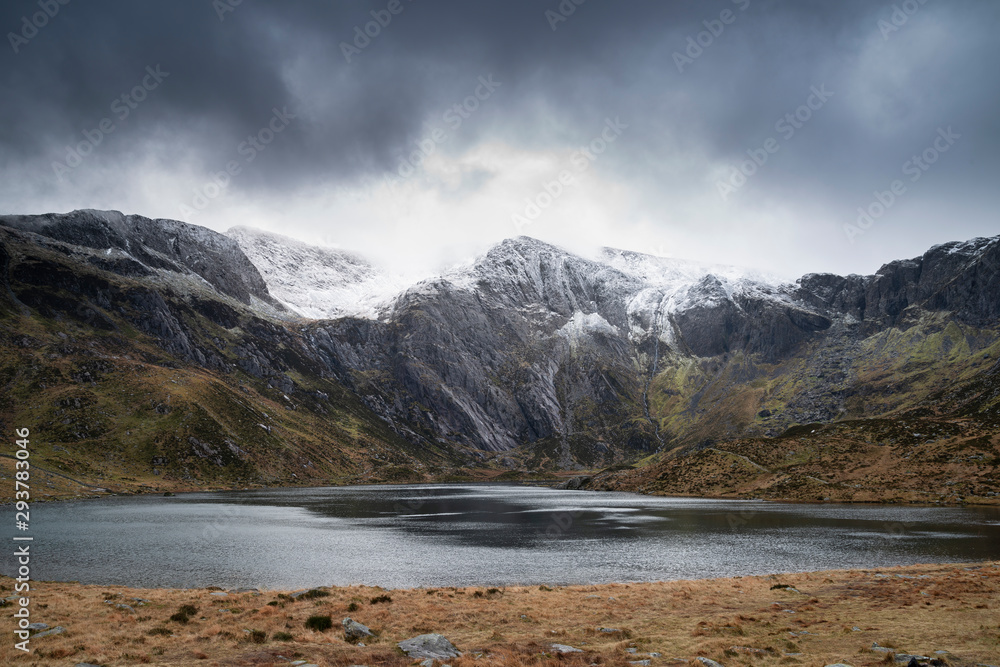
point(465, 534)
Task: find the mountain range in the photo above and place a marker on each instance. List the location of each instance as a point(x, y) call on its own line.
point(154, 354)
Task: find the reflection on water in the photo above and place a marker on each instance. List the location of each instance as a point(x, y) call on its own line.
point(436, 535)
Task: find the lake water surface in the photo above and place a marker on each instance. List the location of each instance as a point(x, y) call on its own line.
point(457, 535)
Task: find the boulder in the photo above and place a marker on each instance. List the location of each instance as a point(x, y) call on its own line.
point(429, 646)
point(310, 593)
point(562, 648)
point(708, 663)
point(354, 631)
point(575, 483)
point(58, 630)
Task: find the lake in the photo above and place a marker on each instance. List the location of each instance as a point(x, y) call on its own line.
point(475, 534)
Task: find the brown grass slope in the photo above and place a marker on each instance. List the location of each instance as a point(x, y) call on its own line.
point(940, 460)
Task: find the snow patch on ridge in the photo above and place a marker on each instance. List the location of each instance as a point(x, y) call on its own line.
point(582, 324)
point(677, 285)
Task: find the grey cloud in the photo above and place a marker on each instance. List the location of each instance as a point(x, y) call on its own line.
point(356, 120)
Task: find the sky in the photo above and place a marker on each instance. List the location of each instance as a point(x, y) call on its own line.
point(792, 136)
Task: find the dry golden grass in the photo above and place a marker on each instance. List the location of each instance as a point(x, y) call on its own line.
point(736, 621)
point(840, 462)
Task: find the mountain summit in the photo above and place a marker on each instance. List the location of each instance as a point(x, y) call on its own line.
point(529, 357)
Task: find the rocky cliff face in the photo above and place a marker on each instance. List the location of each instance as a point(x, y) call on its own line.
point(531, 355)
point(960, 278)
point(532, 344)
point(134, 246)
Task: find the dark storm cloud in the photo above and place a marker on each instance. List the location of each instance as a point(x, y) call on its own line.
point(231, 64)
point(226, 75)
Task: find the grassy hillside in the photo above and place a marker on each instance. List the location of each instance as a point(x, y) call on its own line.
point(948, 460)
point(109, 408)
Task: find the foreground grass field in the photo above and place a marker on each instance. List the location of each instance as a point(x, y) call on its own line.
point(949, 613)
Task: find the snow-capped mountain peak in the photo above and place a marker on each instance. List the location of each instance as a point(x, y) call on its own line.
point(317, 282)
point(326, 283)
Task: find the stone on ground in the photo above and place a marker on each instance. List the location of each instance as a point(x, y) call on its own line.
point(429, 646)
point(354, 631)
point(58, 630)
point(562, 648)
